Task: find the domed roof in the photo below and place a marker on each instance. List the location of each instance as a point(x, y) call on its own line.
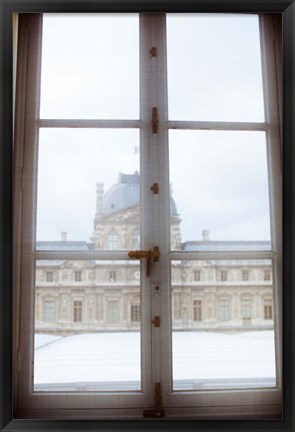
point(125, 194)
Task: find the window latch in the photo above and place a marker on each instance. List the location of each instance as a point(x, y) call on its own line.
point(148, 254)
point(158, 411)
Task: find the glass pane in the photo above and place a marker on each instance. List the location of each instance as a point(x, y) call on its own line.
point(87, 328)
point(214, 67)
point(90, 66)
point(87, 178)
point(224, 176)
point(223, 324)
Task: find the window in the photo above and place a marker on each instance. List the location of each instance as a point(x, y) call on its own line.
point(197, 275)
point(245, 275)
point(113, 240)
point(112, 276)
point(168, 155)
point(113, 316)
point(77, 311)
point(135, 309)
point(267, 275)
point(246, 308)
point(223, 276)
point(197, 310)
point(136, 239)
point(49, 277)
point(135, 313)
point(268, 315)
point(78, 276)
point(224, 310)
point(49, 312)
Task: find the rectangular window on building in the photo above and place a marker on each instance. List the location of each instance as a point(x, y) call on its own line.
point(49, 276)
point(245, 275)
point(197, 310)
point(77, 312)
point(267, 275)
point(49, 311)
point(268, 314)
point(223, 275)
point(78, 276)
point(246, 308)
point(224, 309)
point(113, 311)
point(197, 275)
point(112, 276)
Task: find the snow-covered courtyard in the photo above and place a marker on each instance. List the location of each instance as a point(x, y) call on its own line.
point(108, 361)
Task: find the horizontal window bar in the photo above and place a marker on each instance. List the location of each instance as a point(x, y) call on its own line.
point(211, 125)
point(81, 255)
point(67, 123)
point(235, 255)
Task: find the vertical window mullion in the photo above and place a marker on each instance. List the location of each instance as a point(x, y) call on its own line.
point(269, 31)
point(146, 214)
point(161, 221)
point(26, 149)
point(155, 219)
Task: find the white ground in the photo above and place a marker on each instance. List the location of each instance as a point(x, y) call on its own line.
point(102, 357)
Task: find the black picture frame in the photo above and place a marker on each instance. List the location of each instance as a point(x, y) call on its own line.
point(7, 7)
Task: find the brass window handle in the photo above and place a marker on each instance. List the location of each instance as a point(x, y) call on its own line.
point(148, 254)
point(137, 254)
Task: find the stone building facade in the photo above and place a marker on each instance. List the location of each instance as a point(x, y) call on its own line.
point(88, 296)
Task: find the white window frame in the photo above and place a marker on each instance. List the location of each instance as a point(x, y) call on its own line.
point(251, 403)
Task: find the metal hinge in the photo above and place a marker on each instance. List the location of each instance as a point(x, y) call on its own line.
point(155, 120)
point(155, 188)
point(158, 411)
point(153, 52)
point(157, 321)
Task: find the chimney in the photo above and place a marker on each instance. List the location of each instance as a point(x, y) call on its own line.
point(63, 235)
point(205, 234)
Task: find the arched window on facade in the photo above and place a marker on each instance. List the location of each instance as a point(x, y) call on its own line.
point(136, 239)
point(135, 309)
point(113, 239)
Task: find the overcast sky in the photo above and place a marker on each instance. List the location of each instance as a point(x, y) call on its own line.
point(90, 69)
